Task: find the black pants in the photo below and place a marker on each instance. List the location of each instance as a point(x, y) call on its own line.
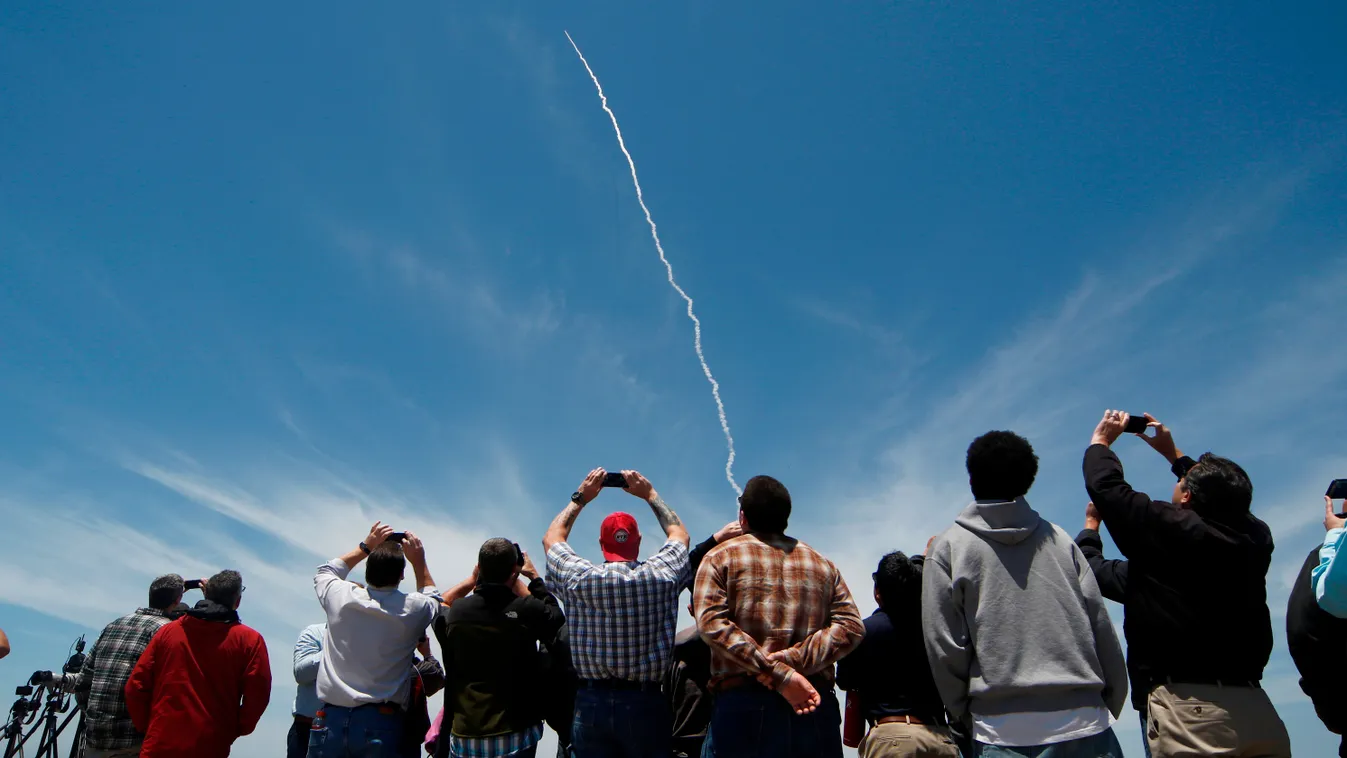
point(297, 741)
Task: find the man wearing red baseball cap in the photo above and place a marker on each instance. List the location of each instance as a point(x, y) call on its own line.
point(622, 616)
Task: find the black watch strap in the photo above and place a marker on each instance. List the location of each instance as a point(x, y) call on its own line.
point(577, 498)
point(365, 548)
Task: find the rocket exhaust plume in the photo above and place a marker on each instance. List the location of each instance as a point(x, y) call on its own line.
point(654, 233)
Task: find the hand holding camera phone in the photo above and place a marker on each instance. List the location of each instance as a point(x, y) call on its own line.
point(1337, 490)
point(615, 479)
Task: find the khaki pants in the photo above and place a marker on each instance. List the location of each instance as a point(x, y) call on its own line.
point(899, 740)
point(1192, 720)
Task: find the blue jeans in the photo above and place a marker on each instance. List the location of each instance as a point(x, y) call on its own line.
point(297, 740)
point(371, 731)
point(1102, 745)
point(757, 723)
point(621, 724)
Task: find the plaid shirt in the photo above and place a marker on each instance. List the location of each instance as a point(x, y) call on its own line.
point(757, 595)
point(622, 616)
point(107, 724)
point(499, 746)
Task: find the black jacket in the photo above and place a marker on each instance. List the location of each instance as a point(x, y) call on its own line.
point(890, 670)
point(1111, 574)
point(494, 673)
point(1195, 595)
point(1318, 643)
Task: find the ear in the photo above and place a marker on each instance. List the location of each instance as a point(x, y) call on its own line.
point(878, 602)
point(743, 521)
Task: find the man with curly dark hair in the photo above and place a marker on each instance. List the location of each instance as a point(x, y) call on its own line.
point(1019, 640)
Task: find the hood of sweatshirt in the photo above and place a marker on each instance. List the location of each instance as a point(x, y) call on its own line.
point(1008, 523)
point(209, 610)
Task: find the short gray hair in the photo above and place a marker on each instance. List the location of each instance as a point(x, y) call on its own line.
point(225, 587)
point(166, 591)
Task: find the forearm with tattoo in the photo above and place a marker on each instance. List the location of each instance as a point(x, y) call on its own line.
point(560, 530)
point(663, 512)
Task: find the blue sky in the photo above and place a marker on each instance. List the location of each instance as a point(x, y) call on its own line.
point(269, 274)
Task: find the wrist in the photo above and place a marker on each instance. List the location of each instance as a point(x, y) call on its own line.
point(1100, 439)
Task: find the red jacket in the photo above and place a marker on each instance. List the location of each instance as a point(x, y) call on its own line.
point(199, 686)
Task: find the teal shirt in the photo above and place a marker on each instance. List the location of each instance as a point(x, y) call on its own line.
point(1329, 578)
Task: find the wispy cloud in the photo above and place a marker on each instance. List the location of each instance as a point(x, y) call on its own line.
point(472, 299)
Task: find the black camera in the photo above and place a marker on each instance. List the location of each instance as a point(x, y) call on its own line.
point(40, 677)
point(76, 661)
point(24, 691)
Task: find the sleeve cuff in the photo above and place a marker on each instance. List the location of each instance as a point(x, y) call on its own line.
point(1333, 536)
point(338, 567)
point(1182, 466)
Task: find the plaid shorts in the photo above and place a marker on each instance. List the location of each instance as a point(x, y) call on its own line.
point(499, 746)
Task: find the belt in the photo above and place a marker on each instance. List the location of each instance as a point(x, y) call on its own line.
point(303, 719)
point(908, 720)
point(626, 685)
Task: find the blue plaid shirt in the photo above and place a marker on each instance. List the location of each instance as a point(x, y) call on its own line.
point(622, 616)
point(499, 746)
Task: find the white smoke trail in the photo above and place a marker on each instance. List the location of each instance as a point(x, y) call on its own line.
point(654, 233)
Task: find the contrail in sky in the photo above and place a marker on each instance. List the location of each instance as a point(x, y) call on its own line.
point(654, 233)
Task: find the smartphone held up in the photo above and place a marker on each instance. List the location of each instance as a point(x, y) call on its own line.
point(615, 480)
point(1337, 490)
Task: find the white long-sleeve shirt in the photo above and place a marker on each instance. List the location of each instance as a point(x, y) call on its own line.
point(370, 642)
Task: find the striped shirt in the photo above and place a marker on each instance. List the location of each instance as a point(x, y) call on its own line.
point(107, 723)
point(499, 746)
point(622, 616)
point(758, 594)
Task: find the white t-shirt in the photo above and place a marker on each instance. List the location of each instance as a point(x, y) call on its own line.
point(371, 638)
point(1046, 728)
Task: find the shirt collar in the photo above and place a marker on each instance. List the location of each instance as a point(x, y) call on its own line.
point(151, 612)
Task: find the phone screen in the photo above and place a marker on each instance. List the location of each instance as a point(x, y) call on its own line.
point(615, 480)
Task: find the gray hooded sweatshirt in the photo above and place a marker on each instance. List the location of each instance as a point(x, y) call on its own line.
point(1013, 618)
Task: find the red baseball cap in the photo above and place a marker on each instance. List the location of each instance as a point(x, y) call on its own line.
point(619, 538)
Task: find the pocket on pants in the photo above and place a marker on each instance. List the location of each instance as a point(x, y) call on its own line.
point(318, 743)
point(1188, 725)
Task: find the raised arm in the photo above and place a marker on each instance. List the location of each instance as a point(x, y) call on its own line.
point(337, 569)
point(415, 551)
point(1329, 578)
point(1111, 575)
point(641, 487)
point(560, 529)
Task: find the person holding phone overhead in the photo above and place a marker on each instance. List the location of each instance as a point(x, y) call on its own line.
point(1330, 576)
point(622, 614)
point(1199, 633)
point(494, 706)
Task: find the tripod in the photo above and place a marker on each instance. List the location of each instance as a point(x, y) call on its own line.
point(21, 714)
point(57, 703)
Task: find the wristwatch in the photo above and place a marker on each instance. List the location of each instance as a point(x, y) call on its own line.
point(365, 548)
point(578, 499)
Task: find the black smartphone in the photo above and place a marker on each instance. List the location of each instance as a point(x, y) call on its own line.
point(615, 480)
point(397, 536)
point(518, 555)
point(192, 584)
point(1337, 490)
point(1137, 424)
